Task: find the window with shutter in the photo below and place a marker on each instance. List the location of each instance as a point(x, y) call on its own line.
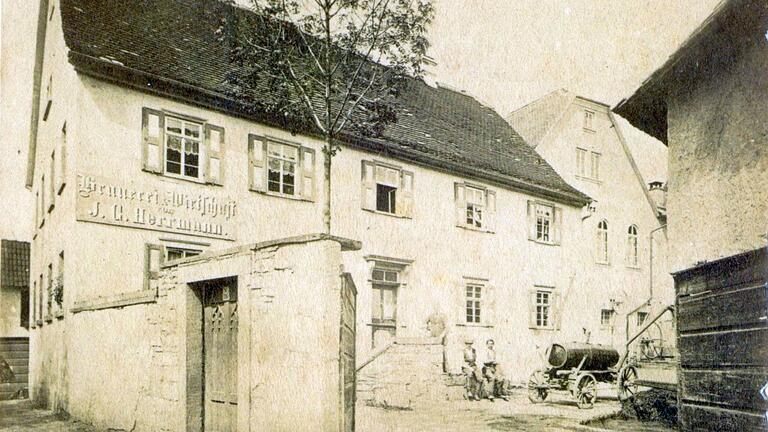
point(61, 179)
point(387, 189)
point(153, 139)
point(52, 183)
point(475, 207)
point(256, 157)
point(308, 163)
point(214, 151)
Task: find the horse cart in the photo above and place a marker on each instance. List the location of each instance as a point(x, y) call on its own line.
point(578, 367)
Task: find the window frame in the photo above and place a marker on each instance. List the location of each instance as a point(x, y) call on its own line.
point(632, 257)
point(589, 117)
point(544, 320)
point(611, 313)
point(475, 303)
point(549, 226)
point(477, 209)
point(395, 188)
point(602, 255)
point(382, 285)
point(201, 155)
point(641, 322)
point(296, 168)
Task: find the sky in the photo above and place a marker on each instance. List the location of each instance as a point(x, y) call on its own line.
point(506, 53)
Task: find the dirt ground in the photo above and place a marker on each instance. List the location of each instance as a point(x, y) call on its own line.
point(558, 413)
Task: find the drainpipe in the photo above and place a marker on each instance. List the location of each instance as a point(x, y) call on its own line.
point(650, 279)
point(42, 24)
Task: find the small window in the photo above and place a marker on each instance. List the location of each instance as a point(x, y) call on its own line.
point(475, 206)
point(174, 253)
point(632, 250)
point(606, 317)
point(182, 147)
point(543, 308)
point(474, 297)
point(385, 283)
point(387, 183)
point(588, 119)
point(544, 215)
point(49, 293)
point(602, 242)
point(282, 161)
point(595, 169)
point(581, 162)
point(641, 317)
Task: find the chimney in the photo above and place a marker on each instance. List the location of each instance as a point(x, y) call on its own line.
point(428, 71)
point(658, 192)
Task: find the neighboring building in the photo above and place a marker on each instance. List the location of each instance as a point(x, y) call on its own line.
point(14, 318)
point(582, 141)
point(708, 103)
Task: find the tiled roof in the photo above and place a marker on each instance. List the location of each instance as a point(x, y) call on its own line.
point(173, 47)
point(14, 264)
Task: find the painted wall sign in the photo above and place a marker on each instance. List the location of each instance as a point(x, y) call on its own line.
point(164, 207)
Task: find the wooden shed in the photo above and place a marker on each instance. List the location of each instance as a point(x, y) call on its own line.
point(723, 343)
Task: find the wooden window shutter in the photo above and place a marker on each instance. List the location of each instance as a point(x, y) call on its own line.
point(405, 194)
point(368, 182)
point(461, 203)
point(308, 176)
point(490, 212)
point(532, 308)
point(489, 302)
point(154, 256)
point(257, 178)
point(214, 148)
point(52, 183)
point(531, 220)
point(557, 310)
point(153, 134)
point(61, 180)
point(557, 225)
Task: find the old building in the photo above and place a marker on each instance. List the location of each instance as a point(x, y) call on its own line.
point(141, 159)
point(14, 318)
point(708, 104)
point(583, 142)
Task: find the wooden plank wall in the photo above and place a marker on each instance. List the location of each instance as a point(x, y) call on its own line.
point(722, 325)
point(14, 351)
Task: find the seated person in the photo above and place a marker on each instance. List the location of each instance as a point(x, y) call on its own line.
point(494, 383)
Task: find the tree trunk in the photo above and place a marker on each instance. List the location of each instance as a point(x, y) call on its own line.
point(328, 155)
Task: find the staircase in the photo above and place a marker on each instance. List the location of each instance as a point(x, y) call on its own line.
point(406, 373)
point(14, 368)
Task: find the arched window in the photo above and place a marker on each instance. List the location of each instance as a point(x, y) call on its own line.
point(632, 255)
point(602, 242)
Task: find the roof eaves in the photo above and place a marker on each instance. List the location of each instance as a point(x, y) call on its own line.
point(122, 75)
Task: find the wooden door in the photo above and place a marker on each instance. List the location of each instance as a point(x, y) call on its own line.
point(347, 353)
point(220, 357)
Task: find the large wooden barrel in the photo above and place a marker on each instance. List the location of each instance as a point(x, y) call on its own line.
point(567, 356)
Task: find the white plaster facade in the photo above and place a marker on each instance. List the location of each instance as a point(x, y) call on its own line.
point(582, 140)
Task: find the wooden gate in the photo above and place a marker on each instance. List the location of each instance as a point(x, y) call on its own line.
point(347, 353)
point(220, 356)
point(723, 343)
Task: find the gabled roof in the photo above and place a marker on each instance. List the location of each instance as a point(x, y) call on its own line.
point(541, 116)
point(708, 50)
point(534, 120)
point(175, 48)
point(14, 264)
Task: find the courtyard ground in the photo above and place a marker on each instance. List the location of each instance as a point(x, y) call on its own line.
point(558, 413)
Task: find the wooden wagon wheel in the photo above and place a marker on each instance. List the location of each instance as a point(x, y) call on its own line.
point(650, 347)
point(537, 387)
point(627, 383)
point(586, 391)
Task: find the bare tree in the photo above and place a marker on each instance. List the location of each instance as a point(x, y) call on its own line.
point(333, 67)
